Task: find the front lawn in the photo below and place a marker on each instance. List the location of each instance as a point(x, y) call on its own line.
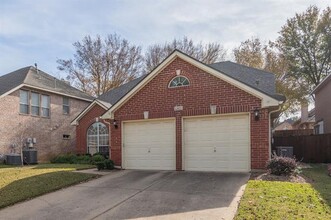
point(320, 180)
point(285, 200)
point(22, 183)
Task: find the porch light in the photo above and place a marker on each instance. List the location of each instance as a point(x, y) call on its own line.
point(213, 109)
point(256, 114)
point(115, 124)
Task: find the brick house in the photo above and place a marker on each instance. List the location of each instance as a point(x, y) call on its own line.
point(185, 115)
point(322, 94)
point(34, 104)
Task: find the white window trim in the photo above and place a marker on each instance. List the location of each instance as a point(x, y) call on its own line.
point(66, 105)
point(172, 87)
point(98, 135)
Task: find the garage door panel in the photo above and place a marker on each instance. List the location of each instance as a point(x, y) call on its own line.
point(217, 143)
point(149, 145)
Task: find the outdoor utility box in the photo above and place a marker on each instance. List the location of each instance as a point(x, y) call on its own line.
point(13, 159)
point(30, 156)
point(285, 151)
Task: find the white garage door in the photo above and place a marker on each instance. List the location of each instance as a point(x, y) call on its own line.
point(217, 143)
point(149, 145)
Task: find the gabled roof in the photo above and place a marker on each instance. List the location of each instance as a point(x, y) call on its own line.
point(255, 78)
point(232, 73)
point(116, 94)
point(325, 81)
point(107, 99)
point(37, 79)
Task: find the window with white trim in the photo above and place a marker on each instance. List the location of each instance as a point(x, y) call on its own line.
point(98, 139)
point(66, 106)
point(45, 106)
point(35, 103)
point(24, 102)
point(179, 81)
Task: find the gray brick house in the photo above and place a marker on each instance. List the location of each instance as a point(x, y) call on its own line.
point(34, 104)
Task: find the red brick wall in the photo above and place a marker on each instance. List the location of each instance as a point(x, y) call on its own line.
point(84, 123)
point(196, 99)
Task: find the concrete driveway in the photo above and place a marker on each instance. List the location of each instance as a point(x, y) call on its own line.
point(140, 195)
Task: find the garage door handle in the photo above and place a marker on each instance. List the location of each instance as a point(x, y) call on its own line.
point(214, 149)
point(149, 150)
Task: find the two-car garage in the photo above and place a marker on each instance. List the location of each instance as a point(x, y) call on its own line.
point(212, 143)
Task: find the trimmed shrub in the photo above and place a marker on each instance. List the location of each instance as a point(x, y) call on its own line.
point(97, 158)
point(100, 165)
point(65, 158)
point(84, 159)
point(109, 164)
point(282, 165)
point(72, 159)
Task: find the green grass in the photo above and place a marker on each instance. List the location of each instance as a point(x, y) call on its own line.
point(22, 183)
point(320, 180)
point(284, 200)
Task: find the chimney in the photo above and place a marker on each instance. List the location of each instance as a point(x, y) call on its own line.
point(304, 112)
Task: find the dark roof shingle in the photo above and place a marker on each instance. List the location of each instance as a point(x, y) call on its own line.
point(30, 76)
point(116, 94)
point(255, 78)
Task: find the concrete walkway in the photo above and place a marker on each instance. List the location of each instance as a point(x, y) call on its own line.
point(140, 195)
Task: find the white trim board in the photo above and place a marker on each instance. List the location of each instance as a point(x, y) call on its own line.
point(43, 89)
point(266, 100)
point(102, 104)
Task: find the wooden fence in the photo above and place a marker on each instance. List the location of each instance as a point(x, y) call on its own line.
point(307, 148)
point(286, 133)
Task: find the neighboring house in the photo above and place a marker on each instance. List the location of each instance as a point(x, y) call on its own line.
point(307, 119)
point(285, 125)
point(34, 104)
point(322, 106)
point(185, 115)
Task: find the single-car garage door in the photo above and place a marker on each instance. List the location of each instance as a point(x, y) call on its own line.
point(149, 145)
point(217, 143)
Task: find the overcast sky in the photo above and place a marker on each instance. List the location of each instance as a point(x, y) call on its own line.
point(39, 31)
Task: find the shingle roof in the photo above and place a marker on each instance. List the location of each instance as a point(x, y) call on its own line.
point(255, 78)
point(29, 76)
point(116, 94)
point(13, 79)
point(247, 75)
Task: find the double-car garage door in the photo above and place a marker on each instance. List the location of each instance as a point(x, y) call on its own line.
point(215, 143)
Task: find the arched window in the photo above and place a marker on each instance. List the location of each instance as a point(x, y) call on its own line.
point(98, 139)
point(179, 81)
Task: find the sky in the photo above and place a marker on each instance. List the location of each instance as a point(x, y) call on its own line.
point(39, 31)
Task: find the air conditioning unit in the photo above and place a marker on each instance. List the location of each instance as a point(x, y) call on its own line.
point(30, 156)
point(285, 151)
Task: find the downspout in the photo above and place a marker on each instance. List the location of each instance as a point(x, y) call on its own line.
point(274, 111)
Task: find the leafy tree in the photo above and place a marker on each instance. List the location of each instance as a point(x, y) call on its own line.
point(102, 64)
point(254, 53)
point(206, 53)
point(250, 53)
point(305, 42)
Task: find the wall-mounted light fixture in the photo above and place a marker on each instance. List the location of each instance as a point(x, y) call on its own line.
point(115, 124)
point(146, 114)
point(256, 114)
point(213, 109)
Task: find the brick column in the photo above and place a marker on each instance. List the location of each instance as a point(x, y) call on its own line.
point(178, 141)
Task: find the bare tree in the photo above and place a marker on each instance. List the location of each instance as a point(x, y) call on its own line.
point(102, 64)
point(206, 53)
